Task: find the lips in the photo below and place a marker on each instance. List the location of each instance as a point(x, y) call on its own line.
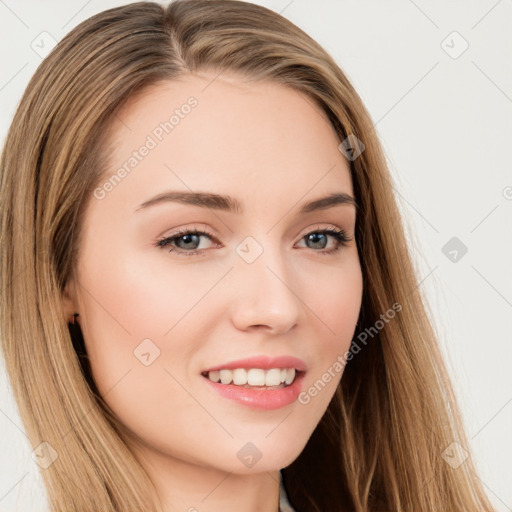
point(260, 382)
point(263, 362)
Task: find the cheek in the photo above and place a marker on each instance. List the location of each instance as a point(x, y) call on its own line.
point(137, 314)
point(141, 298)
point(139, 339)
point(335, 306)
point(334, 298)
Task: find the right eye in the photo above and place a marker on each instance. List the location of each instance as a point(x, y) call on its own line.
point(186, 242)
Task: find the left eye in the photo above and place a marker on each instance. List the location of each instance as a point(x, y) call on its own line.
point(189, 242)
point(185, 242)
point(320, 239)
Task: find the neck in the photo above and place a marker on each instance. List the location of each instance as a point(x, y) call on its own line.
point(185, 486)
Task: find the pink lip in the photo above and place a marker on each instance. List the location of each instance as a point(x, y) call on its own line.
point(258, 398)
point(263, 362)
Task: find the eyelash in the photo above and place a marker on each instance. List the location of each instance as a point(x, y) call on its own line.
point(338, 234)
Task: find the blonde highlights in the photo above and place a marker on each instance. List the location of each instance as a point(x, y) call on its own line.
point(379, 445)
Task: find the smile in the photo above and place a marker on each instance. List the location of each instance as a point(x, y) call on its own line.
point(253, 377)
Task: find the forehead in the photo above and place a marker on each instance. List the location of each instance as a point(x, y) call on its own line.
point(224, 132)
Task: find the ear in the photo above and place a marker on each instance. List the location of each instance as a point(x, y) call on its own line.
point(69, 301)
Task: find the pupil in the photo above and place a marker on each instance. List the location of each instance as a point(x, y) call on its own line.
point(187, 239)
point(318, 237)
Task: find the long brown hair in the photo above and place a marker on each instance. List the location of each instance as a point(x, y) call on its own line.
point(380, 444)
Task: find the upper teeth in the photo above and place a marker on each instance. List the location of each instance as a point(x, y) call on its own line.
point(254, 376)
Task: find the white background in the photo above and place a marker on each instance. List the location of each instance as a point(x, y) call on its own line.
point(446, 127)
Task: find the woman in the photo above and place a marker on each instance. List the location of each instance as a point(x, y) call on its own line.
point(208, 301)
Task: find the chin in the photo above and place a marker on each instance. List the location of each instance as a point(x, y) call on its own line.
point(266, 455)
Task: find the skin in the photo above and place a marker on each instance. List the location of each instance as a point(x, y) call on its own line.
point(273, 150)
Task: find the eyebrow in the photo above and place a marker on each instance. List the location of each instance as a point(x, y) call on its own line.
point(230, 204)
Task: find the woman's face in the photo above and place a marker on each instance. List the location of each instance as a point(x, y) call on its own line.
point(261, 292)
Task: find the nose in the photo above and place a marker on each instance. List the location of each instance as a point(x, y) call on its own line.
point(263, 296)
